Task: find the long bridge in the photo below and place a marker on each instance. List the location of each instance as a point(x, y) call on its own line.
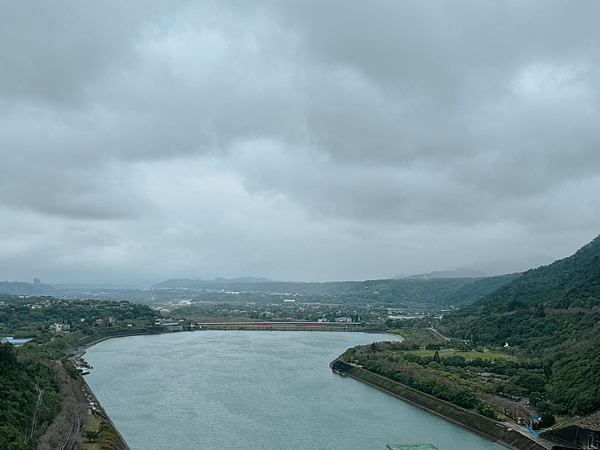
point(284, 326)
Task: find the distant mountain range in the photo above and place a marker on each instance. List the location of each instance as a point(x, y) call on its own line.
point(198, 284)
point(412, 292)
point(500, 267)
point(485, 269)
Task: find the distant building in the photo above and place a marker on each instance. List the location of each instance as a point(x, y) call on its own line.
point(13, 341)
point(343, 319)
point(60, 327)
point(582, 433)
point(36, 281)
point(172, 326)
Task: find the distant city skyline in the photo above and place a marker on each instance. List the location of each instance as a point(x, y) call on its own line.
point(297, 141)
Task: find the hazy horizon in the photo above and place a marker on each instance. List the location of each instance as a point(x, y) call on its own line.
point(494, 268)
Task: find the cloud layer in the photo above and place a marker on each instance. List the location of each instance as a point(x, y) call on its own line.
point(294, 140)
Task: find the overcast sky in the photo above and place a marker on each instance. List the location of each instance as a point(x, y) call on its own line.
point(295, 140)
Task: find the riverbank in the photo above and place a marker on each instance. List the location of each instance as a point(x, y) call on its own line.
point(89, 401)
point(80, 406)
point(254, 390)
point(468, 420)
point(100, 417)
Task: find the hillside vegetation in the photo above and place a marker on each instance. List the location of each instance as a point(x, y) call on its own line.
point(37, 410)
point(552, 312)
point(22, 385)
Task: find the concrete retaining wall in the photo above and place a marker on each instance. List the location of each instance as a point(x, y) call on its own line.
point(469, 420)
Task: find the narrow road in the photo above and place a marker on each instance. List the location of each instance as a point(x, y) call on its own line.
point(34, 417)
point(525, 432)
point(439, 334)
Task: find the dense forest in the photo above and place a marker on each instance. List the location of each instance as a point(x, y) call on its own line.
point(22, 384)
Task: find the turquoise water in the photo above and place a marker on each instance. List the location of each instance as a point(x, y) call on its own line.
point(253, 390)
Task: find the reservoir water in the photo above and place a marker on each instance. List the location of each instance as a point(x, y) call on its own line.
point(254, 390)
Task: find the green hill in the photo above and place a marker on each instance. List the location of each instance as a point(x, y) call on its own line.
point(553, 312)
point(20, 383)
point(544, 307)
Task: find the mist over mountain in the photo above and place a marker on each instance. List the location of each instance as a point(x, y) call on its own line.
point(199, 284)
point(501, 267)
point(21, 288)
point(457, 273)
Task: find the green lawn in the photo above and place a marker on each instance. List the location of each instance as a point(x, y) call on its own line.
point(419, 336)
point(469, 356)
point(93, 424)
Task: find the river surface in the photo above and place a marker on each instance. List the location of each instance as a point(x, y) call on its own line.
point(252, 390)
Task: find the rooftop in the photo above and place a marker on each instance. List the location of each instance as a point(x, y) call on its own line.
point(11, 340)
point(591, 422)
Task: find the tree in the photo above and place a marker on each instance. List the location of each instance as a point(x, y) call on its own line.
point(91, 435)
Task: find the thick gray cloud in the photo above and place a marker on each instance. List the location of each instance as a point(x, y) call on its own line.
point(294, 140)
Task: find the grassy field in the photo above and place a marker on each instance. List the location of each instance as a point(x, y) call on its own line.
point(93, 424)
point(419, 336)
point(422, 337)
point(469, 356)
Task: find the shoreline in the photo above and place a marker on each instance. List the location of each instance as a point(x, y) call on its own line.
point(85, 396)
point(97, 409)
point(488, 429)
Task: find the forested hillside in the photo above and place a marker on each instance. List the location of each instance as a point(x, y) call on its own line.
point(553, 312)
point(542, 308)
point(22, 384)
